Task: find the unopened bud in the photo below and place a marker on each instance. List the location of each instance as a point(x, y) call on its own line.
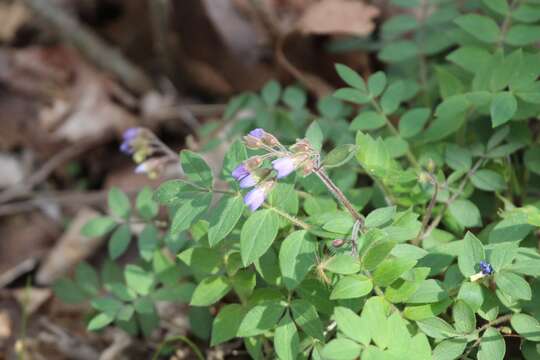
point(338, 243)
point(252, 142)
point(423, 178)
point(270, 140)
point(505, 330)
point(308, 168)
point(301, 145)
point(253, 162)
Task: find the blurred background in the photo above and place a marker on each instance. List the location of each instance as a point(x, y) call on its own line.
point(74, 74)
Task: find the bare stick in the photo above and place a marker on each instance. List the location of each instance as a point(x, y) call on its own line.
point(429, 210)
point(89, 44)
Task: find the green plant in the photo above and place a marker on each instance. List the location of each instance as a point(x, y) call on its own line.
point(441, 156)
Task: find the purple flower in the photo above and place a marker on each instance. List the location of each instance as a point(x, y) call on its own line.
point(142, 168)
point(257, 133)
point(248, 181)
point(255, 198)
point(485, 268)
point(284, 166)
point(131, 134)
point(125, 147)
point(240, 172)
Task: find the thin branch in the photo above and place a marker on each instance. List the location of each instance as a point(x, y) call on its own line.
point(321, 173)
point(290, 218)
point(45, 170)
point(453, 198)
point(89, 44)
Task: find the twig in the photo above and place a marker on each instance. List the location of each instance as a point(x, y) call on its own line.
point(89, 44)
point(44, 171)
point(354, 238)
point(453, 198)
point(497, 321)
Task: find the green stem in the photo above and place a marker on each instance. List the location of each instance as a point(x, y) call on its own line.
point(291, 218)
point(410, 156)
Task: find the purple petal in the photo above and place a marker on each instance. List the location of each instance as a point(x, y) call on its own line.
point(248, 181)
point(284, 166)
point(131, 134)
point(257, 133)
point(255, 198)
point(239, 172)
point(141, 168)
point(126, 148)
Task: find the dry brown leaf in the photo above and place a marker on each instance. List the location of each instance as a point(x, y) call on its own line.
point(340, 17)
point(72, 248)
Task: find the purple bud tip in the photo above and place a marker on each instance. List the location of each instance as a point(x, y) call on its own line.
point(141, 168)
point(284, 166)
point(485, 268)
point(131, 134)
point(257, 133)
point(126, 148)
point(248, 181)
point(255, 198)
point(240, 172)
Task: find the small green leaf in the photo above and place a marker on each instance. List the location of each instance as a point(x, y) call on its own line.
point(306, 317)
point(260, 318)
point(119, 241)
point(226, 323)
point(464, 318)
point(380, 216)
point(196, 169)
point(296, 257)
point(470, 255)
point(351, 287)
point(145, 204)
point(513, 285)
point(341, 349)
point(376, 253)
point(492, 346)
point(351, 77)
point(315, 136)
point(98, 226)
point(376, 83)
point(148, 242)
point(87, 278)
point(391, 269)
point(286, 339)
point(488, 180)
point(210, 290)
point(190, 212)
point(368, 120)
point(352, 95)
point(258, 233)
point(481, 27)
point(339, 156)
point(397, 51)
point(69, 292)
point(413, 121)
point(522, 35)
point(119, 204)
point(100, 321)
point(499, 6)
point(224, 217)
point(271, 92)
point(466, 213)
point(449, 349)
point(392, 97)
point(526, 326)
point(294, 97)
point(343, 264)
point(138, 279)
point(503, 107)
point(352, 325)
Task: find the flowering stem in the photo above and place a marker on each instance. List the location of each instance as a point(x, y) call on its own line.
point(291, 218)
point(321, 173)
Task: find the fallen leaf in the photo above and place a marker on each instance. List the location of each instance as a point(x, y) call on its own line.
point(70, 249)
point(339, 17)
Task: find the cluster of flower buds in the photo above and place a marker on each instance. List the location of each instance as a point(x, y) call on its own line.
point(285, 161)
point(485, 270)
point(142, 144)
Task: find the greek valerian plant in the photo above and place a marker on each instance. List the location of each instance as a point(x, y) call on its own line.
point(402, 224)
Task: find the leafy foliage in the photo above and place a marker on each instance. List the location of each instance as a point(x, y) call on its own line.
point(437, 153)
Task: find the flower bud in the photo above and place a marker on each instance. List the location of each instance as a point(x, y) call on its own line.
point(253, 162)
point(252, 142)
point(301, 145)
point(270, 140)
point(338, 243)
